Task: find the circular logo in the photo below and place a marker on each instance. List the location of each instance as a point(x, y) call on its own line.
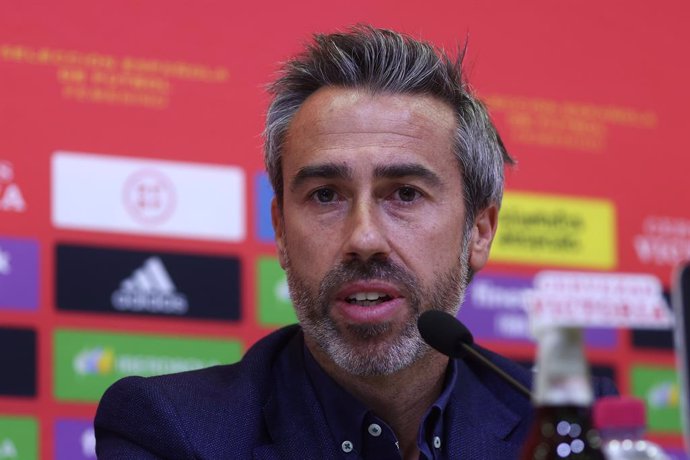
point(149, 196)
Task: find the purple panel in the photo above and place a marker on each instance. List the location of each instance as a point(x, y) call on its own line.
point(18, 274)
point(495, 309)
point(601, 338)
point(677, 454)
point(74, 439)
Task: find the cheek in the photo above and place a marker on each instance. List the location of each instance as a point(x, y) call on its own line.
point(433, 245)
point(310, 248)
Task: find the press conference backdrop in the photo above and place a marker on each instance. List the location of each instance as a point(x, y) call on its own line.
point(134, 229)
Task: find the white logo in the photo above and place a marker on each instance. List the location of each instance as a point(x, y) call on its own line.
point(88, 443)
point(104, 361)
point(5, 267)
point(11, 198)
point(149, 196)
point(581, 299)
point(6, 172)
point(7, 449)
point(145, 196)
point(150, 289)
point(663, 241)
point(282, 291)
point(490, 296)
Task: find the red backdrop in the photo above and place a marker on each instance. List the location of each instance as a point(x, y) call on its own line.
point(590, 97)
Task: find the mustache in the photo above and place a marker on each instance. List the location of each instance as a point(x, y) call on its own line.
point(364, 270)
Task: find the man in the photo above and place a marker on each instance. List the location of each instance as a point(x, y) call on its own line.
point(388, 177)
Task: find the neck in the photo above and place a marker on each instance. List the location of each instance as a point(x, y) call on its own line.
point(400, 399)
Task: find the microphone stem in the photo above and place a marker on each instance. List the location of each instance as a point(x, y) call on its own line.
point(478, 356)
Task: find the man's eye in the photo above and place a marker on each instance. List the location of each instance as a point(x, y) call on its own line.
point(407, 194)
point(324, 195)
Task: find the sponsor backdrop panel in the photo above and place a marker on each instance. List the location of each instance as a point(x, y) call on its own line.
point(264, 196)
point(495, 308)
point(18, 362)
point(659, 388)
point(74, 439)
point(111, 280)
point(156, 197)
point(557, 231)
point(18, 438)
point(275, 306)
point(87, 362)
point(133, 192)
point(19, 282)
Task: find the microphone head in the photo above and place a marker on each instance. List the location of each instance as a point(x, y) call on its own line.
point(443, 332)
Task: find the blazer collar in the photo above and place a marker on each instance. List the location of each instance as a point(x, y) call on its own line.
point(487, 418)
point(294, 419)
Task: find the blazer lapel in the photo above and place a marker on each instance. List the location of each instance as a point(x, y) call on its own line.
point(480, 423)
point(294, 419)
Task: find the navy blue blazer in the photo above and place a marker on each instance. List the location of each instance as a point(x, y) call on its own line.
point(249, 410)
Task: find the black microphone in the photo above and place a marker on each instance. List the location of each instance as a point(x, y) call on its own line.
point(445, 333)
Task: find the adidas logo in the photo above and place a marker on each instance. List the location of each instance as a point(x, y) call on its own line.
point(150, 289)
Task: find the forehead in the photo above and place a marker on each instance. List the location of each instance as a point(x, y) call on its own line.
point(338, 121)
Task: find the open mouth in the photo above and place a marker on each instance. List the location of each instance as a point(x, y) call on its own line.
point(367, 299)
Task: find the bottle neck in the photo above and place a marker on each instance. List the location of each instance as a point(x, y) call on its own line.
point(562, 371)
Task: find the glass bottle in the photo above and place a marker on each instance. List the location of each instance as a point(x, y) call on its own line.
point(562, 427)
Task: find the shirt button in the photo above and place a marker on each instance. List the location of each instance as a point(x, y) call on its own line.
point(437, 442)
point(346, 446)
point(375, 429)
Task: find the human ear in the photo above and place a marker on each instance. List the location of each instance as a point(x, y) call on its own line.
point(483, 232)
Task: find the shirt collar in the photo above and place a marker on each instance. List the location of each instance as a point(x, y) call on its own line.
point(431, 436)
point(348, 418)
point(344, 413)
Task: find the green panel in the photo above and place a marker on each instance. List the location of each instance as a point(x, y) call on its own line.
point(659, 388)
point(275, 307)
point(87, 362)
point(18, 438)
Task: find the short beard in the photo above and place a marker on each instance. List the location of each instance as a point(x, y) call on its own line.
point(371, 353)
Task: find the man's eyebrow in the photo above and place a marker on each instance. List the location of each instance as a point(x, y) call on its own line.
point(322, 171)
point(400, 170)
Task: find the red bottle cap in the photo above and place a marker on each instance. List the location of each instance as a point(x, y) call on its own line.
point(619, 412)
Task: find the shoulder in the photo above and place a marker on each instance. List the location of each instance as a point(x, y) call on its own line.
point(491, 416)
point(242, 383)
point(180, 412)
point(508, 395)
point(488, 418)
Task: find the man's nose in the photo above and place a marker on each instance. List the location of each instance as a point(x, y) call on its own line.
point(367, 237)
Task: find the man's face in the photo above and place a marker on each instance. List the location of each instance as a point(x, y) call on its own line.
point(370, 231)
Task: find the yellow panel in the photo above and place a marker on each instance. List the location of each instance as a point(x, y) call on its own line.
point(538, 229)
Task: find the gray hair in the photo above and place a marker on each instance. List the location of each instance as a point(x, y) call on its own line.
point(389, 62)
